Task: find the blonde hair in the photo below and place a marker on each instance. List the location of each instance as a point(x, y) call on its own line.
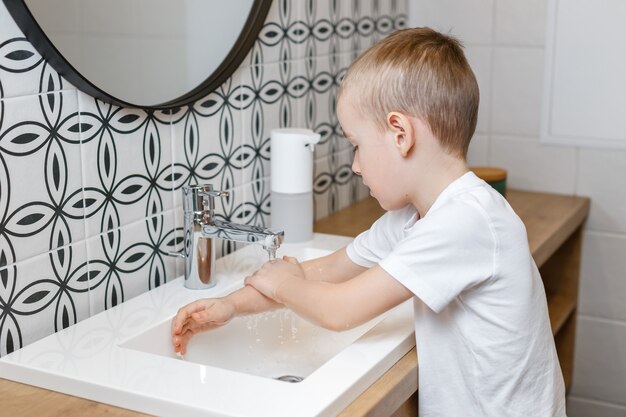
point(422, 73)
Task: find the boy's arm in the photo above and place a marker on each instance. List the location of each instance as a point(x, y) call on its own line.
point(333, 305)
point(208, 313)
point(335, 267)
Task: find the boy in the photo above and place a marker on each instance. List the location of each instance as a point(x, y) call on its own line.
point(408, 105)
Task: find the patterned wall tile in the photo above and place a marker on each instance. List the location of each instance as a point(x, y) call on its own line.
point(127, 261)
point(277, 90)
point(207, 140)
point(257, 197)
point(333, 25)
point(127, 164)
point(43, 295)
point(334, 183)
point(41, 201)
point(319, 110)
point(233, 208)
point(282, 35)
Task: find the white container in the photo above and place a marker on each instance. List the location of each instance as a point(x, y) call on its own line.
point(292, 182)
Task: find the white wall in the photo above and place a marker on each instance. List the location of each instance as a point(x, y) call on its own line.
point(505, 44)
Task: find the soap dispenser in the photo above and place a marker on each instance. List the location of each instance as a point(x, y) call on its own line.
point(292, 182)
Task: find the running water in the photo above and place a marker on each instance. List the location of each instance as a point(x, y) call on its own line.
point(285, 320)
point(272, 254)
point(294, 327)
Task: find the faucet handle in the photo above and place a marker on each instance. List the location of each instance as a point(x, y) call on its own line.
point(200, 198)
point(208, 198)
point(214, 193)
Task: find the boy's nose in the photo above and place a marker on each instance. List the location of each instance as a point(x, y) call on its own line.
point(356, 167)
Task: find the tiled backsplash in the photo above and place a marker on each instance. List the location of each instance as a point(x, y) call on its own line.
point(89, 192)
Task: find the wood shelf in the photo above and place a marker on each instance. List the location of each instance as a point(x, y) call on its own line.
point(560, 308)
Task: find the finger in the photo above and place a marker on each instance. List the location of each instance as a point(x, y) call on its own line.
point(203, 317)
point(291, 260)
point(248, 280)
point(185, 312)
point(179, 321)
point(183, 339)
point(180, 342)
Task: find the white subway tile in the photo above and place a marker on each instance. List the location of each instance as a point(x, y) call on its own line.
point(603, 283)
point(479, 58)
point(585, 97)
point(583, 407)
point(599, 175)
point(478, 152)
point(600, 368)
point(470, 20)
point(520, 22)
point(532, 166)
point(517, 86)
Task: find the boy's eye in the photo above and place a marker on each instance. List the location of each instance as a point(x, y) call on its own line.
point(355, 148)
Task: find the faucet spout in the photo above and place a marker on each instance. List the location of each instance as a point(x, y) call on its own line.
point(268, 238)
point(201, 229)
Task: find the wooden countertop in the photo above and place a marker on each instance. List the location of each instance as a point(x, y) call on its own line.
point(549, 218)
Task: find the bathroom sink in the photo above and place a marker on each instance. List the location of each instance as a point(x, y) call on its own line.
point(276, 344)
point(123, 356)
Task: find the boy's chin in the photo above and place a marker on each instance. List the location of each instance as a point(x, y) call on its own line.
point(390, 205)
point(382, 203)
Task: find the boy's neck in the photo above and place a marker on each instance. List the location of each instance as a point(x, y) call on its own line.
point(435, 177)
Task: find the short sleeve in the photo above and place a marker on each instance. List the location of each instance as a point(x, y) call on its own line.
point(447, 252)
point(373, 245)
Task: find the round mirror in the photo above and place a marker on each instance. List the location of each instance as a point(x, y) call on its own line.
point(142, 53)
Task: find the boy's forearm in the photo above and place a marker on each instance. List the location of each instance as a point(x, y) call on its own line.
point(344, 305)
point(248, 300)
point(318, 302)
point(336, 267)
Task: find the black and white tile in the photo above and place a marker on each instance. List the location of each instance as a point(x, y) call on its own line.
point(90, 193)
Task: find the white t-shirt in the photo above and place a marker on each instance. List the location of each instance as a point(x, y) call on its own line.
point(483, 334)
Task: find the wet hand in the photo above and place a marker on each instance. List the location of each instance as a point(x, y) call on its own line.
point(273, 274)
point(199, 316)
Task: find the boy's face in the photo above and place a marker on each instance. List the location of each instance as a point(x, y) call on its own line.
point(376, 159)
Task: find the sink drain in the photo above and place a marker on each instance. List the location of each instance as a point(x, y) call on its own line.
point(290, 378)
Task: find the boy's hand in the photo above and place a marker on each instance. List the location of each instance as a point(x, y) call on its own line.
point(197, 317)
point(272, 274)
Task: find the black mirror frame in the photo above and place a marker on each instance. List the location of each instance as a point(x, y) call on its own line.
point(36, 36)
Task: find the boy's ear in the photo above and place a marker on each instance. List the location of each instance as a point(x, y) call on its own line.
point(402, 130)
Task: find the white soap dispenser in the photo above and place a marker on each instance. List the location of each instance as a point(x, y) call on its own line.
point(292, 182)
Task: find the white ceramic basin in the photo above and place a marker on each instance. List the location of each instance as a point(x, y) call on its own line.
point(123, 356)
point(277, 345)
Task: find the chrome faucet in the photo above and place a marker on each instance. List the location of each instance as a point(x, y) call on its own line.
point(201, 228)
